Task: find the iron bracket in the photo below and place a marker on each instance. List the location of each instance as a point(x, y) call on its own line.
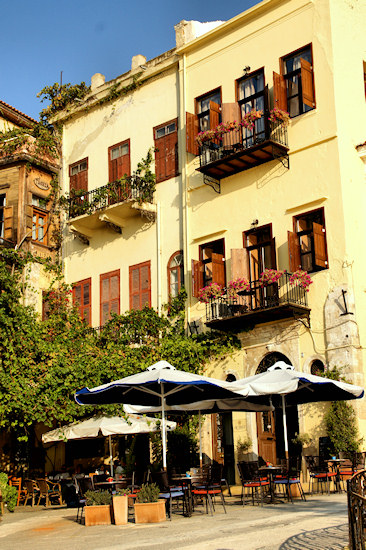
point(211, 182)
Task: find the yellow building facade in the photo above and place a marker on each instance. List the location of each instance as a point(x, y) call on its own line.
point(262, 195)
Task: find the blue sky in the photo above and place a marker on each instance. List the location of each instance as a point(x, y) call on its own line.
point(40, 38)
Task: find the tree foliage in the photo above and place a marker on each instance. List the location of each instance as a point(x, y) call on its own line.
point(43, 363)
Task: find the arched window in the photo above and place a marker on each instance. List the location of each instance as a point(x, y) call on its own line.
point(317, 367)
point(175, 273)
point(270, 360)
point(230, 378)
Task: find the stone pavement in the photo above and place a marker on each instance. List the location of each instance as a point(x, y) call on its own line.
point(318, 524)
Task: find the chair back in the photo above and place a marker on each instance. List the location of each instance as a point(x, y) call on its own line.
point(16, 482)
point(30, 486)
point(248, 471)
point(358, 461)
point(215, 474)
point(161, 479)
point(83, 485)
point(43, 486)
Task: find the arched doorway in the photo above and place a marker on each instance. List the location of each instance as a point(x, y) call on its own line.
point(271, 445)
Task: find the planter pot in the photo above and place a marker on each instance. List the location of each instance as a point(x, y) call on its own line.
point(97, 515)
point(120, 510)
point(150, 512)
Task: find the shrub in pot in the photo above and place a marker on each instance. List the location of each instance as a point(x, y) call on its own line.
point(98, 508)
point(148, 507)
point(120, 506)
point(9, 493)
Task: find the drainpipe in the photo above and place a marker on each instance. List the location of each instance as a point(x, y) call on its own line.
point(159, 254)
point(184, 155)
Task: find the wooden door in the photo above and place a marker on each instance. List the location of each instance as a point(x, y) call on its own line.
point(266, 432)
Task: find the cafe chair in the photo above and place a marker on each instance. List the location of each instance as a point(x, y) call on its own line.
point(207, 488)
point(31, 492)
point(253, 484)
point(290, 477)
point(168, 493)
point(319, 473)
point(82, 485)
point(49, 491)
point(17, 483)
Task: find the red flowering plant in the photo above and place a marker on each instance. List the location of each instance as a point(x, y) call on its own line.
point(301, 278)
point(218, 132)
point(248, 120)
point(278, 115)
point(235, 286)
point(213, 290)
point(270, 276)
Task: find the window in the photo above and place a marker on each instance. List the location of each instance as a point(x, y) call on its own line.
point(109, 295)
point(78, 173)
point(317, 367)
point(212, 257)
point(307, 244)
point(81, 298)
point(261, 248)
point(2, 215)
point(297, 70)
point(208, 110)
point(175, 273)
point(119, 160)
point(166, 150)
point(252, 94)
point(140, 285)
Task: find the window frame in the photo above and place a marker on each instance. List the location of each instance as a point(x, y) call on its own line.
point(40, 214)
point(164, 172)
point(180, 269)
point(299, 234)
point(203, 114)
point(74, 179)
point(260, 129)
point(297, 72)
point(102, 277)
point(2, 216)
point(82, 307)
point(270, 242)
point(207, 261)
point(110, 160)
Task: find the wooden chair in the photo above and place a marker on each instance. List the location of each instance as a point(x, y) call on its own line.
point(17, 483)
point(1, 504)
point(49, 491)
point(31, 491)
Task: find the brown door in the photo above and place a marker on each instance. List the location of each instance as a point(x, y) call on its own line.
point(217, 438)
point(266, 436)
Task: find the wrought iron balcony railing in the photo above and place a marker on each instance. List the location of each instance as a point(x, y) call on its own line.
point(269, 302)
point(132, 188)
point(242, 148)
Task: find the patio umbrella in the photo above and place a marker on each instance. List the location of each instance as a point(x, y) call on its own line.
point(107, 426)
point(284, 385)
point(161, 385)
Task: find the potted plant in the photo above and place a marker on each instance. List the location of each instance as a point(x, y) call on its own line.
point(120, 506)
point(148, 507)
point(8, 494)
point(213, 290)
point(98, 508)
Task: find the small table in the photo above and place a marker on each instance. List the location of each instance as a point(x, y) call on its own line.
point(108, 485)
point(271, 471)
point(335, 464)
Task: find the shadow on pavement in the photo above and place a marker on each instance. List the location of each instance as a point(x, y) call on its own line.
point(330, 538)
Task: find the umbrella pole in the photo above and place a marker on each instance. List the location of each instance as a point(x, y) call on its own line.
point(163, 425)
point(284, 425)
point(110, 454)
point(200, 430)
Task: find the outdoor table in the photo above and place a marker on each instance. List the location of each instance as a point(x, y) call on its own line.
point(108, 485)
point(271, 471)
point(186, 483)
point(335, 464)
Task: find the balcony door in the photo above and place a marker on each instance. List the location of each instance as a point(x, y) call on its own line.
point(261, 248)
point(252, 95)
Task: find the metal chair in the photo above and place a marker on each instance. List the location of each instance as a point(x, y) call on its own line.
point(290, 476)
point(167, 492)
point(319, 472)
point(82, 485)
point(252, 482)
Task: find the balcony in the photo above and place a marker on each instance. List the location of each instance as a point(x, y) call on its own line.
point(259, 304)
point(110, 206)
point(242, 149)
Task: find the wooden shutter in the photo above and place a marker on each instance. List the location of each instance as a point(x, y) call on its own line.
point(166, 155)
point(8, 223)
point(140, 285)
point(218, 269)
point(121, 165)
point(109, 295)
point(293, 251)
point(191, 133)
point(197, 277)
point(230, 113)
point(79, 181)
point(215, 112)
point(273, 254)
point(320, 245)
point(239, 263)
point(81, 298)
point(279, 92)
point(307, 83)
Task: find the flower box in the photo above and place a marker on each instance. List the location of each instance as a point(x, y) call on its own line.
point(150, 512)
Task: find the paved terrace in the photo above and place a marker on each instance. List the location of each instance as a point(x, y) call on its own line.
point(318, 524)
